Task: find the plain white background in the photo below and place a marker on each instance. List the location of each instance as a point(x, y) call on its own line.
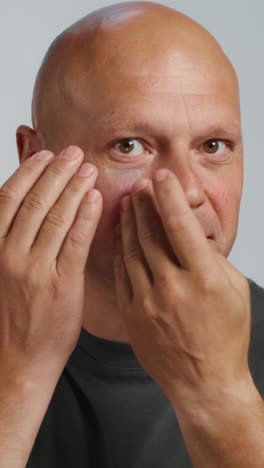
point(27, 28)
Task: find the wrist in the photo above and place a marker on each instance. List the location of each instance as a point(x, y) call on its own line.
point(28, 376)
point(212, 403)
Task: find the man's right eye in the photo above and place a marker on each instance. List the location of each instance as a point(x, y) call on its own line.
point(131, 147)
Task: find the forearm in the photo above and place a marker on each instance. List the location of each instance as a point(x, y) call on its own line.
point(23, 404)
point(225, 430)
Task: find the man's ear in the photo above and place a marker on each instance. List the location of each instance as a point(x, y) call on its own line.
point(28, 142)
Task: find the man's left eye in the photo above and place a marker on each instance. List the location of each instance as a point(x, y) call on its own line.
point(214, 146)
point(130, 147)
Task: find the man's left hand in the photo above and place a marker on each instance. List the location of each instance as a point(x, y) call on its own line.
point(186, 308)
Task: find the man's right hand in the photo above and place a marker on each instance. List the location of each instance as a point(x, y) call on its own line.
point(46, 229)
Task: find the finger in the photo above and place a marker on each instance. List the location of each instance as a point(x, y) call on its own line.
point(60, 219)
point(183, 229)
point(14, 190)
point(136, 265)
point(42, 196)
point(74, 253)
point(152, 236)
point(123, 287)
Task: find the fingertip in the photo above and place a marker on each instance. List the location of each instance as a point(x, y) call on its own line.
point(160, 175)
point(93, 196)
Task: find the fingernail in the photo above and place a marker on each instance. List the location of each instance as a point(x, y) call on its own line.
point(140, 185)
point(72, 152)
point(92, 196)
point(160, 175)
point(44, 155)
point(86, 170)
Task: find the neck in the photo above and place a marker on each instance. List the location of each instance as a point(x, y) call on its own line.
point(102, 317)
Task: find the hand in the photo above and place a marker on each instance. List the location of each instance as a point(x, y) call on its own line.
point(186, 308)
point(46, 229)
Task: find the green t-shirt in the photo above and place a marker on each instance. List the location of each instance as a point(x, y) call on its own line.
point(106, 412)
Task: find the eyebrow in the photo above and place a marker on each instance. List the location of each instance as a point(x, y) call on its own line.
point(128, 124)
point(230, 127)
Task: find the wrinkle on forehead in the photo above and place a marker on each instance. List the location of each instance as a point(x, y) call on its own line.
point(127, 91)
point(204, 113)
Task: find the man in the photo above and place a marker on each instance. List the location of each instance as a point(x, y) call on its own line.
point(125, 331)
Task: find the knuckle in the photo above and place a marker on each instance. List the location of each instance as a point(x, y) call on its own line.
point(33, 201)
point(32, 278)
point(207, 283)
point(132, 254)
point(169, 290)
point(36, 272)
point(7, 194)
point(146, 304)
point(164, 280)
point(29, 167)
point(152, 232)
point(56, 218)
point(168, 287)
point(77, 237)
point(57, 169)
point(9, 264)
point(178, 223)
point(24, 271)
point(73, 187)
point(147, 236)
point(6, 260)
point(29, 277)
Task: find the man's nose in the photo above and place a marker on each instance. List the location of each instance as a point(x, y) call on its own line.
point(190, 181)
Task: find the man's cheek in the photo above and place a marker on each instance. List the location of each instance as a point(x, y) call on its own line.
point(230, 210)
point(229, 198)
point(226, 203)
point(114, 184)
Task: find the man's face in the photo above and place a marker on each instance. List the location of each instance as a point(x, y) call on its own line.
point(133, 116)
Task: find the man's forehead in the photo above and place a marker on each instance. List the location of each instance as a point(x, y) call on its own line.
point(199, 120)
point(168, 72)
point(149, 101)
point(195, 92)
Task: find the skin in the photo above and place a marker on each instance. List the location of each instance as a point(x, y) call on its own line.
point(185, 96)
point(171, 291)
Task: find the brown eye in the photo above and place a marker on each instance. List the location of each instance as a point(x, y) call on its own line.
point(213, 146)
point(126, 146)
point(130, 146)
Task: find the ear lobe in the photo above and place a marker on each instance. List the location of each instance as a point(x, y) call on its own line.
point(27, 142)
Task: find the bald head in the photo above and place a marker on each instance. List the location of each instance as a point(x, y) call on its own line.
point(114, 47)
point(138, 86)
